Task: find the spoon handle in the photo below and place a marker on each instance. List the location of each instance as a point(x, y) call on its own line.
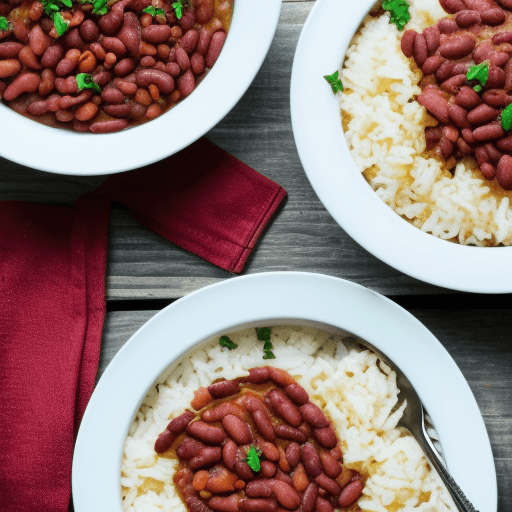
point(463, 504)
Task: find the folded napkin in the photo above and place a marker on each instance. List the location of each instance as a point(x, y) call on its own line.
point(52, 300)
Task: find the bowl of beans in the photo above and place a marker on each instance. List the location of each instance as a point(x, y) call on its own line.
point(101, 86)
point(407, 137)
point(271, 402)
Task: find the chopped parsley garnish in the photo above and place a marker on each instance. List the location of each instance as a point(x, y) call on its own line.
point(399, 12)
point(178, 9)
point(263, 334)
point(151, 9)
point(50, 7)
point(334, 82)
point(506, 118)
point(480, 73)
point(99, 6)
point(4, 24)
point(253, 459)
point(86, 81)
point(61, 25)
point(224, 341)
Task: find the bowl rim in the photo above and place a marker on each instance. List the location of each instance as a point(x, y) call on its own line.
point(262, 299)
point(340, 185)
point(51, 149)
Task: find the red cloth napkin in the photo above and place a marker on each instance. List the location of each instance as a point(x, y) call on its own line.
point(52, 300)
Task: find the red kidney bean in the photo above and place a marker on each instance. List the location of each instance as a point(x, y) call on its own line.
point(407, 42)
point(446, 147)
point(293, 454)
point(122, 111)
point(189, 448)
point(216, 414)
point(445, 70)
point(323, 506)
point(38, 40)
point(111, 22)
point(164, 440)
point(297, 394)
point(53, 103)
point(257, 505)
point(454, 83)
point(309, 498)
point(280, 377)
point(237, 429)
point(290, 433)
point(204, 10)
point(450, 132)
point(111, 126)
point(25, 82)
point(67, 102)
point(447, 26)
point(258, 375)
point(196, 505)
point(459, 116)
point(206, 433)
point(203, 43)
point(252, 403)
point(28, 59)
point(72, 39)
point(127, 88)
point(467, 98)
point(325, 437)
point(481, 155)
point(131, 33)
point(67, 65)
point(102, 78)
point(206, 457)
point(182, 59)
point(505, 144)
point(463, 147)
point(224, 503)
point(310, 460)
point(10, 50)
point(432, 64)
point(216, 44)
point(64, 116)
point(147, 61)
point(189, 41)
point(468, 136)
point(420, 52)
point(162, 80)
point(496, 98)
point(268, 470)
point(432, 38)
point(156, 34)
point(457, 46)
point(264, 425)
point(482, 114)
point(496, 77)
point(330, 485)
point(435, 103)
point(351, 493)
point(229, 454)
point(313, 415)
point(114, 95)
point(488, 171)
point(244, 471)
point(494, 154)
point(113, 45)
point(88, 31)
point(502, 37)
point(504, 172)
point(452, 6)
point(286, 495)
point(482, 51)
point(493, 17)
point(37, 108)
point(331, 467)
point(467, 18)
point(284, 407)
point(187, 20)
point(269, 451)
point(97, 51)
point(9, 67)
point(224, 388)
point(124, 67)
point(498, 58)
point(259, 489)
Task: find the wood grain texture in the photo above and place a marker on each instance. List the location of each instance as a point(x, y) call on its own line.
point(302, 236)
point(485, 360)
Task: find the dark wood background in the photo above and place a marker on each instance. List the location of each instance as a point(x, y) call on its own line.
point(146, 272)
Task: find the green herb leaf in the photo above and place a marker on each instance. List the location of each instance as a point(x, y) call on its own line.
point(151, 9)
point(86, 81)
point(480, 73)
point(334, 82)
point(263, 333)
point(506, 118)
point(268, 345)
point(50, 7)
point(224, 341)
point(4, 24)
point(61, 25)
point(253, 459)
point(268, 354)
point(399, 12)
point(99, 6)
point(178, 9)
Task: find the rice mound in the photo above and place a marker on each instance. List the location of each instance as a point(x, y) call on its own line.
point(384, 129)
point(358, 393)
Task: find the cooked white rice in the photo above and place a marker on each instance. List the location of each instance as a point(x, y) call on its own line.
point(358, 393)
point(384, 130)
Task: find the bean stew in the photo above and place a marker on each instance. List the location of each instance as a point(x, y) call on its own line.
point(101, 66)
point(467, 83)
point(258, 444)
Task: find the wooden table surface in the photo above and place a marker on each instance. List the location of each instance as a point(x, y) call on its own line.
point(146, 272)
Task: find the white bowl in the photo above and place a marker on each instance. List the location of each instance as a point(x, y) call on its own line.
point(340, 185)
point(65, 152)
point(268, 299)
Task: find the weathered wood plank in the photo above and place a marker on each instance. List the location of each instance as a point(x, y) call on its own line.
point(479, 342)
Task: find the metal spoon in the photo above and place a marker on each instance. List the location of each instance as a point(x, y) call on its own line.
point(413, 419)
